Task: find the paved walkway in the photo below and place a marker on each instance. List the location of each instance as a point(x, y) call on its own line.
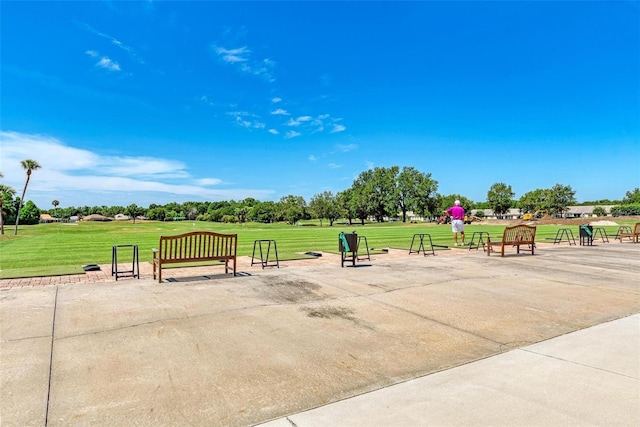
point(453, 339)
point(589, 377)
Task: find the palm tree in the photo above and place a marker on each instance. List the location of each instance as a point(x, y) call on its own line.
point(5, 191)
point(28, 165)
point(55, 204)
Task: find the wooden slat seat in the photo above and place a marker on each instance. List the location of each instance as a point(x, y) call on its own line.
point(197, 246)
point(517, 235)
point(634, 235)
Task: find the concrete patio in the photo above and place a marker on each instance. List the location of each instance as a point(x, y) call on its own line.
point(453, 339)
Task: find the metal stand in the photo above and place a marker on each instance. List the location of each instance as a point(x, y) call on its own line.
point(264, 261)
point(564, 233)
point(366, 245)
point(599, 231)
point(135, 263)
point(622, 229)
point(421, 245)
point(481, 242)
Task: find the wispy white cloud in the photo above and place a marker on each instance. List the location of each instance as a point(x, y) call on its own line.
point(276, 100)
point(346, 147)
point(280, 112)
point(333, 166)
point(241, 58)
point(208, 181)
point(107, 63)
point(232, 56)
point(114, 41)
point(338, 128)
point(273, 131)
point(247, 120)
point(104, 62)
point(205, 99)
point(292, 134)
point(312, 158)
point(79, 177)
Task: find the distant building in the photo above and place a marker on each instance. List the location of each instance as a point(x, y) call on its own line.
point(46, 218)
point(96, 217)
point(121, 217)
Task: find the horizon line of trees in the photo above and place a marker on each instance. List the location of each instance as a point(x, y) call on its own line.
point(378, 193)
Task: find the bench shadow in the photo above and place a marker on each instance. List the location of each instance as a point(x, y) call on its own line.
point(187, 279)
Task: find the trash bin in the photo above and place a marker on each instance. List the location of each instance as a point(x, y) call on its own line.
point(348, 243)
point(586, 235)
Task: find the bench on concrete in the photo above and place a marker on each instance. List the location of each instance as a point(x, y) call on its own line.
point(197, 246)
point(517, 235)
point(633, 235)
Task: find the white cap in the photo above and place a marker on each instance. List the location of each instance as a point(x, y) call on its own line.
point(457, 203)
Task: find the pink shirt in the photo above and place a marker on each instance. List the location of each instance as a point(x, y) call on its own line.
point(456, 212)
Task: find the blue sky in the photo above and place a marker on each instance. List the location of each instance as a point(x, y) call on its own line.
point(155, 102)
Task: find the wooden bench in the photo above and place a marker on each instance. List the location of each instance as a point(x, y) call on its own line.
point(634, 235)
point(517, 235)
point(197, 246)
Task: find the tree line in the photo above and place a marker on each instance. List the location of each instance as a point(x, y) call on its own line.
point(379, 194)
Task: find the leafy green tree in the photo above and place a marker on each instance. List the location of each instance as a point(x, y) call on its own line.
point(599, 211)
point(559, 198)
point(242, 213)
point(382, 192)
point(30, 214)
point(112, 211)
point(325, 205)
point(500, 197)
point(359, 196)
point(533, 201)
point(415, 191)
point(626, 210)
point(319, 205)
point(134, 211)
point(28, 165)
point(6, 197)
point(156, 213)
point(343, 200)
point(631, 197)
point(264, 212)
point(292, 208)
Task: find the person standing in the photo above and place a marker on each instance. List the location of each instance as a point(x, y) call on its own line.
point(456, 212)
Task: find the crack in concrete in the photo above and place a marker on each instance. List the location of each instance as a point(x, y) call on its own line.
point(53, 335)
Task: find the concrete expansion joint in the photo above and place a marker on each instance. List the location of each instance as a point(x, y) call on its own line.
point(579, 364)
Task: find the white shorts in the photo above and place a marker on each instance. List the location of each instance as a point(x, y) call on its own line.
point(457, 225)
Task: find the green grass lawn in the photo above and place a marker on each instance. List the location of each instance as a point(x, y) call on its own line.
point(59, 248)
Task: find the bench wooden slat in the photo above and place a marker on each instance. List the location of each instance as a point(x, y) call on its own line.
point(517, 235)
point(634, 235)
point(197, 246)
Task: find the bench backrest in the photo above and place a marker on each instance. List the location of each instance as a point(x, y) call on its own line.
point(197, 245)
point(519, 233)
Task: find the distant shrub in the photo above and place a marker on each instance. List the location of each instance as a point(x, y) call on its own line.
point(626, 210)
